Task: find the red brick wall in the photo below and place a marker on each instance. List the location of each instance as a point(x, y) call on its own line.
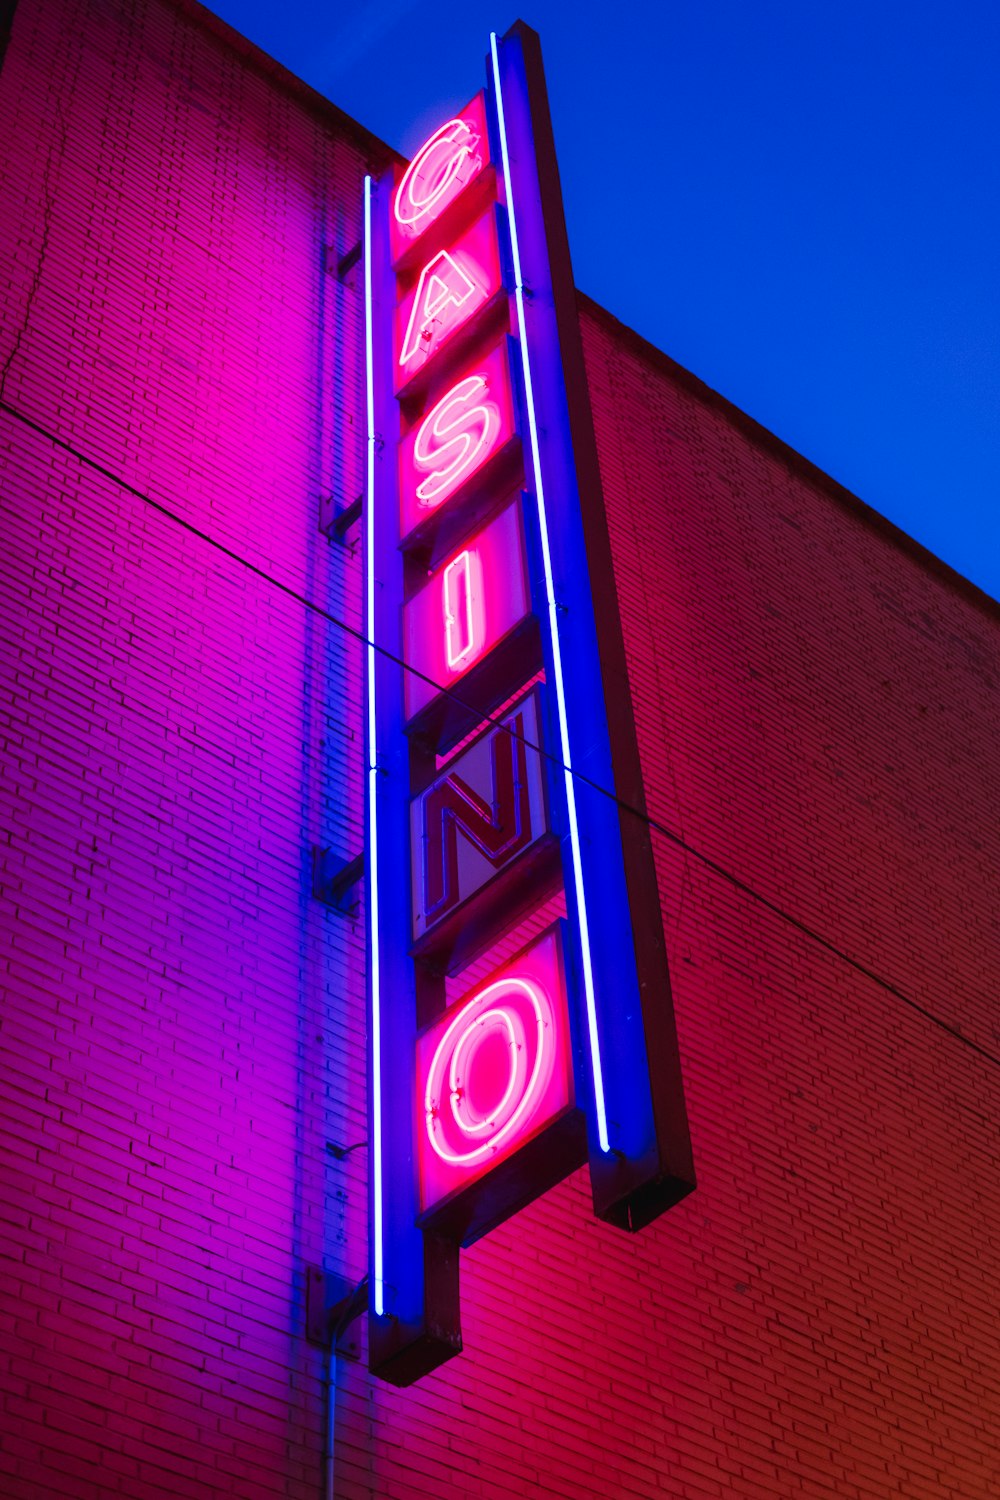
point(182, 1029)
point(817, 710)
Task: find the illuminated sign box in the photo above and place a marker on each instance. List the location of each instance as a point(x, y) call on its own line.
point(481, 840)
point(448, 177)
point(569, 1051)
point(446, 305)
point(496, 1095)
point(462, 446)
point(465, 627)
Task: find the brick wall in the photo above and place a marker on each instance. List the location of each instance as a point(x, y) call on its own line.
point(182, 1030)
point(817, 705)
point(183, 1025)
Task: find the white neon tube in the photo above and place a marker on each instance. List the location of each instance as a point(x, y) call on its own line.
point(557, 671)
point(373, 894)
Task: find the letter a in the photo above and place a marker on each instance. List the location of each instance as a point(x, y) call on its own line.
point(443, 285)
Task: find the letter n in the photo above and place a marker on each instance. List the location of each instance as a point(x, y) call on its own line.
point(452, 809)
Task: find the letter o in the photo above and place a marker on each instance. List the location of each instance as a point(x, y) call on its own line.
point(512, 1014)
point(433, 173)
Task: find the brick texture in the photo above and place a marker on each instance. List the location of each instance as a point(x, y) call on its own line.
point(182, 1030)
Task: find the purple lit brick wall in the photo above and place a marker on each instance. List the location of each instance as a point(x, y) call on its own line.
point(182, 1026)
point(182, 1029)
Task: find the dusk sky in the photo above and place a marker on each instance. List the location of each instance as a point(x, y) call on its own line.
point(798, 202)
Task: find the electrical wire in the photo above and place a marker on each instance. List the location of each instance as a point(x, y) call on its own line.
point(669, 834)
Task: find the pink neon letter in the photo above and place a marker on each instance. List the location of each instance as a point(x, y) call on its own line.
point(517, 1015)
point(493, 1072)
point(452, 436)
point(433, 170)
point(462, 595)
point(442, 283)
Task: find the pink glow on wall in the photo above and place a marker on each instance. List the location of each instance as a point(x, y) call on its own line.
point(493, 1071)
point(150, 1138)
point(449, 445)
point(444, 166)
point(453, 285)
point(466, 608)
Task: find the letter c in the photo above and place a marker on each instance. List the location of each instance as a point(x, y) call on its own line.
point(432, 174)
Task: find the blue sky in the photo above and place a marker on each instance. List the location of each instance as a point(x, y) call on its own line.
point(798, 202)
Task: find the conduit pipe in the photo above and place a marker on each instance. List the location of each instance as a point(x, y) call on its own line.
point(342, 1315)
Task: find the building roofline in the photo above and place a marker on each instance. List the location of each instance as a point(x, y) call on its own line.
point(793, 460)
point(378, 152)
point(380, 155)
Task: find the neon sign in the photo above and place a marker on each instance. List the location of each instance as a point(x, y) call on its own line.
point(464, 623)
point(496, 753)
point(454, 438)
point(444, 288)
point(447, 162)
point(465, 610)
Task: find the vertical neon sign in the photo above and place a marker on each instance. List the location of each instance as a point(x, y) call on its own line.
point(488, 575)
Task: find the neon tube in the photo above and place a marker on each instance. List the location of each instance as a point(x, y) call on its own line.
point(373, 893)
point(459, 627)
point(447, 427)
point(557, 671)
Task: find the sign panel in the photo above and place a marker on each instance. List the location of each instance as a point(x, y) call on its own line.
point(481, 838)
point(493, 1073)
point(453, 286)
point(469, 604)
point(447, 163)
point(450, 447)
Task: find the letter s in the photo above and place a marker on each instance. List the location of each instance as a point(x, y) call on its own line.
point(454, 437)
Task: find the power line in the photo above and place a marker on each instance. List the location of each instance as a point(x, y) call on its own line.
point(672, 837)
